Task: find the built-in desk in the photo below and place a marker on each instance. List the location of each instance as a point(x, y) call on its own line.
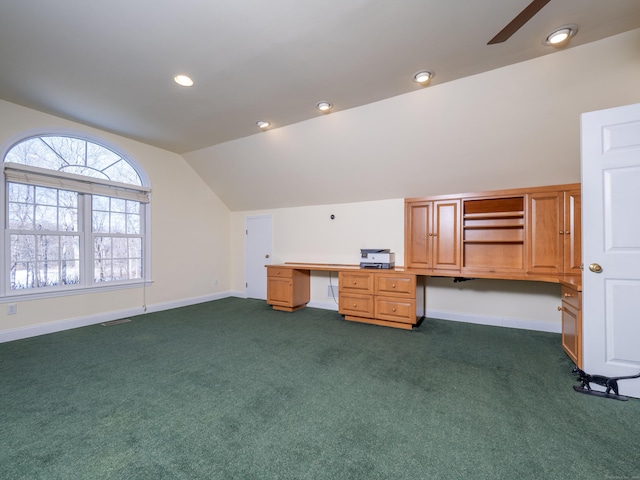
point(388, 297)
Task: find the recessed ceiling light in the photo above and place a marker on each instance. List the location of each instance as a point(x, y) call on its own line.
point(183, 80)
point(324, 106)
point(423, 77)
point(263, 125)
point(561, 35)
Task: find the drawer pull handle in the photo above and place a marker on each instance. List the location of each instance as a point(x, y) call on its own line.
point(393, 285)
point(393, 310)
point(355, 283)
point(355, 305)
point(568, 295)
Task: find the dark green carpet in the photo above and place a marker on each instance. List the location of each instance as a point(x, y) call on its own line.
point(233, 390)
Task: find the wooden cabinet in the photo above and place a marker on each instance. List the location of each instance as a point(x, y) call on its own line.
point(554, 233)
point(524, 233)
point(432, 238)
point(572, 323)
point(381, 298)
point(572, 235)
point(287, 289)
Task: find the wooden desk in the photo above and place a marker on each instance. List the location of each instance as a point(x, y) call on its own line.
point(388, 297)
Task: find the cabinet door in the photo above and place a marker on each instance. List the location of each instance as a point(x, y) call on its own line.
point(446, 235)
point(280, 291)
point(572, 233)
point(572, 325)
point(545, 233)
point(418, 234)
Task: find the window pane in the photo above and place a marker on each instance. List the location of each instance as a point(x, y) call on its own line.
point(48, 274)
point(133, 224)
point(120, 248)
point(70, 272)
point(23, 248)
point(20, 216)
point(20, 193)
point(47, 249)
point(22, 275)
point(118, 205)
point(100, 203)
point(101, 222)
point(118, 223)
point(46, 196)
point(68, 220)
point(133, 207)
point(68, 199)
point(73, 155)
point(135, 247)
point(70, 247)
point(135, 269)
point(46, 218)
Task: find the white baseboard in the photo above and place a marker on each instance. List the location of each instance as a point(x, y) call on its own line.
point(68, 324)
point(324, 305)
point(525, 324)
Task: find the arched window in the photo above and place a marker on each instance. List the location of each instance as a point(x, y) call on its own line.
point(75, 216)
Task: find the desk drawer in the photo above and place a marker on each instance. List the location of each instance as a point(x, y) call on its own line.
point(356, 305)
point(571, 296)
point(396, 285)
point(396, 310)
point(355, 282)
point(279, 272)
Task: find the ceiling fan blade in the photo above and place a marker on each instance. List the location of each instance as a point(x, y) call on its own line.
point(515, 24)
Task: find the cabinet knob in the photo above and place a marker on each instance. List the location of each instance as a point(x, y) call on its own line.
point(355, 305)
point(355, 283)
point(568, 295)
point(393, 309)
point(567, 232)
point(559, 309)
point(393, 285)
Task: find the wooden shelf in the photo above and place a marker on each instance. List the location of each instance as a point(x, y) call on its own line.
point(519, 214)
point(492, 227)
point(513, 242)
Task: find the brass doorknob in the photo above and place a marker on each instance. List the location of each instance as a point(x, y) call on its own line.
point(595, 268)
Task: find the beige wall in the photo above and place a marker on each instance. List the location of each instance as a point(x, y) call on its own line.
point(512, 127)
point(189, 227)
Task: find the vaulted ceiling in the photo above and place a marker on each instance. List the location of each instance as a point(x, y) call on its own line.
point(111, 64)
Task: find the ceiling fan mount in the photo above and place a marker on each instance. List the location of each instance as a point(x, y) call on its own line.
point(517, 23)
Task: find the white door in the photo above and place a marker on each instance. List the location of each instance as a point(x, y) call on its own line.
point(257, 255)
point(611, 244)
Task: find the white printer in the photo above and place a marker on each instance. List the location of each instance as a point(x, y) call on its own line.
point(377, 258)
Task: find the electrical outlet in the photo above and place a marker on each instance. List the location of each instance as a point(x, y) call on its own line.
point(12, 309)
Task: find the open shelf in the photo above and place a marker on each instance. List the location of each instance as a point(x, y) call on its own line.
point(493, 233)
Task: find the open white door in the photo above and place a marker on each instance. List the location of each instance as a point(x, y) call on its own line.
point(258, 233)
point(611, 244)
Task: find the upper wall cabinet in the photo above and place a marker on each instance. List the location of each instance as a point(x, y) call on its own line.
point(432, 236)
point(554, 233)
point(531, 233)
